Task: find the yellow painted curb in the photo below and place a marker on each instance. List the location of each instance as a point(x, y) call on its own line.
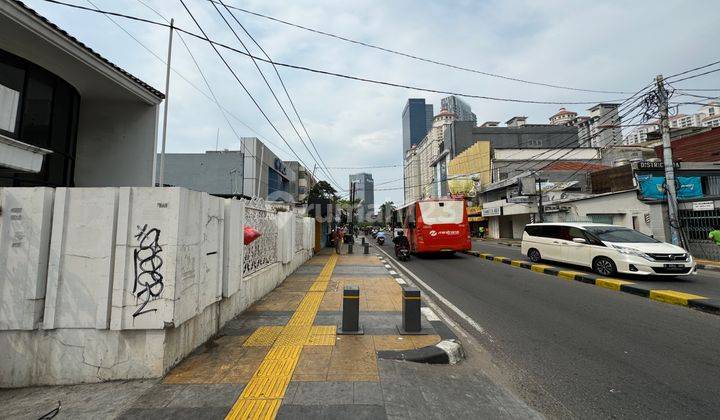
point(539, 268)
point(612, 284)
point(674, 297)
point(567, 275)
point(516, 263)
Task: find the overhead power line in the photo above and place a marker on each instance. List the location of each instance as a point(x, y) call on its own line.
point(257, 105)
point(277, 100)
point(340, 75)
point(418, 58)
point(287, 94)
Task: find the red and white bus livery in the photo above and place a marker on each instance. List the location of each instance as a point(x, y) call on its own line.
point(436, 225)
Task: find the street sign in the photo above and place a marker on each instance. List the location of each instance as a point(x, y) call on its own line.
point(703, 205)
point(492, 211)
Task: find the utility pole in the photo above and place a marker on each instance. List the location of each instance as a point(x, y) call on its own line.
point(670, 191)
point(541, 211)
point(167, 102)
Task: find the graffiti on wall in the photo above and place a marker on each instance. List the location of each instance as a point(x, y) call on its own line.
point(147, 263)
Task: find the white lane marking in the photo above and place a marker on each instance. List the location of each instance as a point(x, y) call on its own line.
point(387, 266)
point(393, 273)
point(442, 299)
point(429, 314)
point(401, 281)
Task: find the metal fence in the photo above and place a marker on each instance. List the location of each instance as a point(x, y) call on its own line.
point(263, 251)
point(696, 226)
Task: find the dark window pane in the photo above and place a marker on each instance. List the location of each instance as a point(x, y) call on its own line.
point(61, 118)
point(37, 110)
point(12, 77)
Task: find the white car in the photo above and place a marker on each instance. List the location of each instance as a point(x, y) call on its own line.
point(607, 249)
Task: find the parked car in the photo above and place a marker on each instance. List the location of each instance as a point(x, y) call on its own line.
point(607, 249)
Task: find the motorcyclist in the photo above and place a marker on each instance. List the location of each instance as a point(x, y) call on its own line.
point(400, 241)
point(379, 235)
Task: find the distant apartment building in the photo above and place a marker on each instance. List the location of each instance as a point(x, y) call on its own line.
point(599, 129)
point(707, 116)
point(416, 121)
point(365, 192)
point(563, 117)
point(459, 108)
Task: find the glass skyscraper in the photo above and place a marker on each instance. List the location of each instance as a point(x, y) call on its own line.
point(417, 119)
point(458, 107)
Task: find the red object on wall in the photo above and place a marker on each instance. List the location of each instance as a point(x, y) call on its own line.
point(249, 235)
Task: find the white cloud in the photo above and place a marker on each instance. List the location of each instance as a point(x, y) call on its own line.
point(612, 45)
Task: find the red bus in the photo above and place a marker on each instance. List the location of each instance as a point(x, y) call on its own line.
point(436, 225)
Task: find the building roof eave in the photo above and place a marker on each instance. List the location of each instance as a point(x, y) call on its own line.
point(50, 32)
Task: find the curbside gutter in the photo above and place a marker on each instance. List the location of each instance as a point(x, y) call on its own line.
point(673, 297)
point(447, 351)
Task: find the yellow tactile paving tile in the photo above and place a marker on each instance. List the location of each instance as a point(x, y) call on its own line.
point(284, 352)
point(265, 387)
point(256, 410)
point(272, 376)
point(613, 284)
point(302, 318)
point(674, 297)
point(263, 336)
point(323, 330)
point(320, 340)
point(276, 367)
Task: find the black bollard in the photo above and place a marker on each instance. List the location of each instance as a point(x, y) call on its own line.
point(411, 322)
point(351, 311)
point(363, 240)
point(367, 248)
point(350, 248)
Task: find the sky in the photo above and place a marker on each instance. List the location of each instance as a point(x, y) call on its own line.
point(608, 45)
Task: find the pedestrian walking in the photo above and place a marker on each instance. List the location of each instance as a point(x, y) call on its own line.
point(339, 238)
point(481, 232)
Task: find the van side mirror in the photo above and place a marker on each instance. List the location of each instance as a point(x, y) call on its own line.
point(580, 240)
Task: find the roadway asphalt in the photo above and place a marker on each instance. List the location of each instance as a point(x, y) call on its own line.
point(572, 350)
point(705, 283)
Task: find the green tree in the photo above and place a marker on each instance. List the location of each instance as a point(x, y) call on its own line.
point(321, 192)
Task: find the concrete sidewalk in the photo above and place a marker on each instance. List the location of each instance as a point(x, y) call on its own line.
point(282, 358)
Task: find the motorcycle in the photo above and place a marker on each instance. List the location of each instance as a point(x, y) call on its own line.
point(381, 240)
point(402, 253)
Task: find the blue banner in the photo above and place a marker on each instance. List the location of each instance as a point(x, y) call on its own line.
point(689, 187)
point(653, 187)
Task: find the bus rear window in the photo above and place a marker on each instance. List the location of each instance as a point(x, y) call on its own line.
point(441, 212)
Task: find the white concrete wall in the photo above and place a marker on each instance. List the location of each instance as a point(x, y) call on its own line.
point(25, 217)
point(107, 247)
point(234, 246)
point(116, 144)
point(79, 281)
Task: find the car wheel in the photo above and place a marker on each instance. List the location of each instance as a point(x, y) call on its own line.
point(534, 255)
point(604, 266)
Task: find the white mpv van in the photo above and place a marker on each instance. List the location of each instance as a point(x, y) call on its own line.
point(607, 249)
